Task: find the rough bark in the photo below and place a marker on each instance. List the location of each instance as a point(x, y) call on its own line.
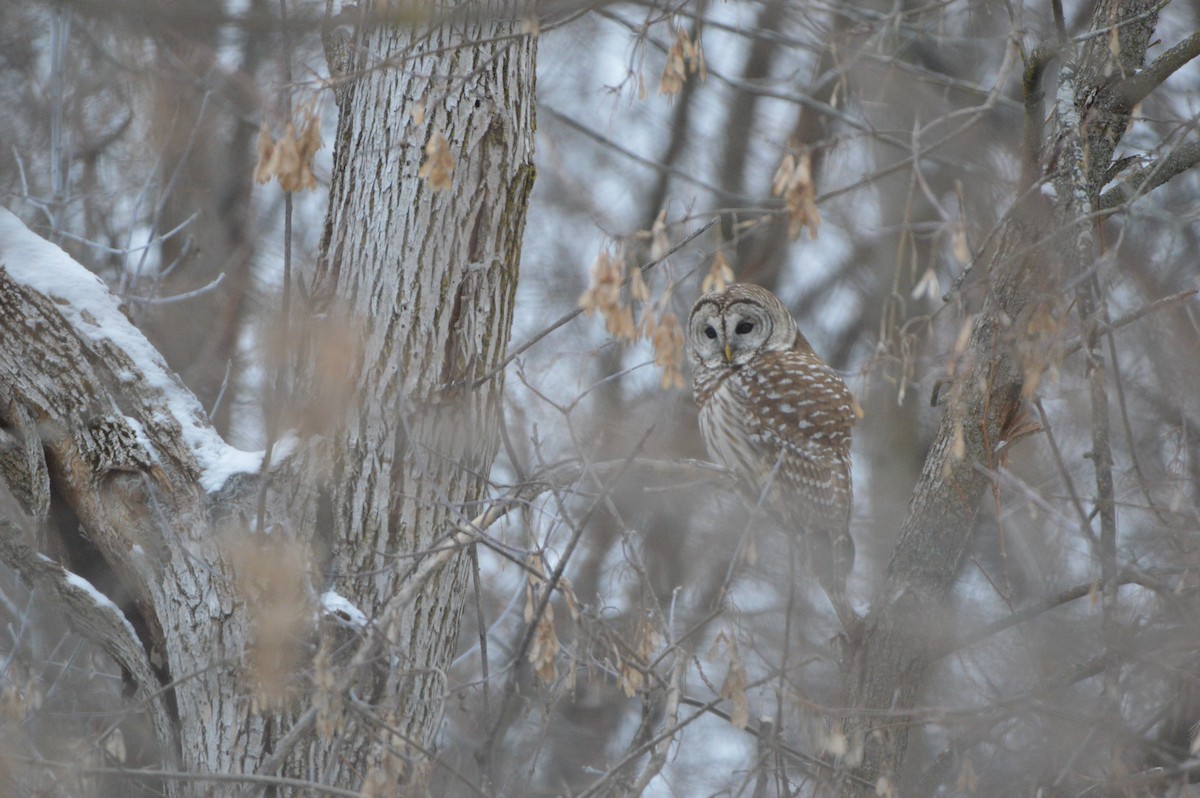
point(107, 430)
point(422, 282)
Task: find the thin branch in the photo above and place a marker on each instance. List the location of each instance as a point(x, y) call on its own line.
point(1107, 30)
point(234, 778)
point(126, 251)
point(367, 713)
point(1091, 310)
point(1142, 181)
point(658, 757)
point(185, 296)
point(1021, 616)
point(1060, 23)
point(680, 174)
point(1084, 525)
point(1035, 113)
point(531, 627)
point(1134, 315)
point(1127, 427)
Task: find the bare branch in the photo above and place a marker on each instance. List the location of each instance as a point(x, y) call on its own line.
point(1035, 112)
point(1142, 181)
point(1123, 96)
point(88, 612)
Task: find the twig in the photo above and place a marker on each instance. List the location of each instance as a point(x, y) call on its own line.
point(1084, 525)
point(186, 295)
point(1134, 315)
point(1021, 616)
point(531, 627)
point(659, 756)
point(1108, 29)
point(274, 414)
point(171, 775)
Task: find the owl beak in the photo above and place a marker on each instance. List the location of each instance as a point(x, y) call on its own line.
point(728, 354)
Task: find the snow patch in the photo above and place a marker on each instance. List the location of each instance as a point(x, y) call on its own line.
point(338, 606)
point(98, 598)
point(221, 461)
point(96, 315)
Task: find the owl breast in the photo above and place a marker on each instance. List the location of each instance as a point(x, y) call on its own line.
point(725, 425)
point(783, 426)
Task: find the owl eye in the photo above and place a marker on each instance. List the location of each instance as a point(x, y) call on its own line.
point(743, 327)
point(710, 332)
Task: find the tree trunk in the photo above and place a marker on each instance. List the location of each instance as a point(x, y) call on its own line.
point(422, 280)
point(412, 305)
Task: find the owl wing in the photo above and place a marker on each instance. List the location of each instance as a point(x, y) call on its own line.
point(801, 431)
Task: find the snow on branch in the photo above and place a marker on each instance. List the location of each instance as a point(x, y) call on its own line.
point(99, 321)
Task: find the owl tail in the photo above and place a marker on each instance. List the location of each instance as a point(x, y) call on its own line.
point(830, 556)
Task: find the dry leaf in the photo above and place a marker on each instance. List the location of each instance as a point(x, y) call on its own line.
point(719, 275)
point(962, 252)
point(543, 648)
point(114, 745)
point(648, 640)
point(269, 578)
point(438, 167)
point(603, 296)
point(660, 242)
point(967, 780)
point(266, 149)
point(959, 449)
point(834, 742)
point(290, 159)
point(630, 679)
point(675, 71)
point(667, 341)
point(793, 182)
point(964, 336)
point(927, 286)
point(734, 687)
point(637, 286)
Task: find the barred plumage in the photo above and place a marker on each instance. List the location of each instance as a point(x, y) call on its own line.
point(775, 413)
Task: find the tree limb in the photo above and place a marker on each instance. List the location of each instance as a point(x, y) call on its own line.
point(1123, 96)
point(1144, 180)
point(89, 613)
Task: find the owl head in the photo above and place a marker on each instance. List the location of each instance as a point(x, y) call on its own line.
point(728, 328)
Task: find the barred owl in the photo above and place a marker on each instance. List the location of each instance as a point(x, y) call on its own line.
point(776, 414)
